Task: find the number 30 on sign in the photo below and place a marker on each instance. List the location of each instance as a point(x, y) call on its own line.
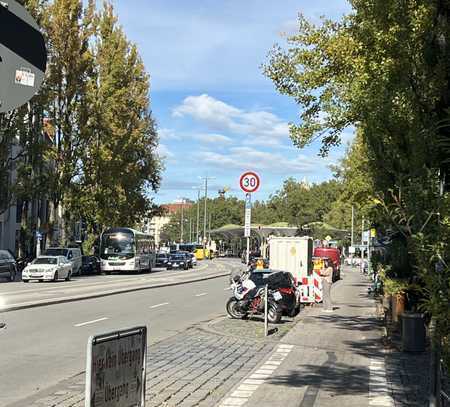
point(249, 182)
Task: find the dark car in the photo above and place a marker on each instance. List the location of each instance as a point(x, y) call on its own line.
point(89, 265)
point(188, 257)
point(177, 261)
point(162, 259)
point(8, 265)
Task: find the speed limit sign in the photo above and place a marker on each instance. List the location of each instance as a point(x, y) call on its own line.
point(249, 182)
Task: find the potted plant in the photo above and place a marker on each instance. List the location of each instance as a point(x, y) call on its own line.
point(396, 288)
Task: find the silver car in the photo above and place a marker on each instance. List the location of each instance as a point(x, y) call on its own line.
point(48, 268)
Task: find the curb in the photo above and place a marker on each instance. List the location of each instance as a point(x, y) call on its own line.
point(104, 294)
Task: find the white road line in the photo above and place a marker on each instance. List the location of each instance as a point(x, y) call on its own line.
point(244, 391)
point(159, 305)
point(91, 322)
point(379, 394)
point(201, 294)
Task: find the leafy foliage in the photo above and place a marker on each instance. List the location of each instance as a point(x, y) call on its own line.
point(87, 142)
point(384, 69)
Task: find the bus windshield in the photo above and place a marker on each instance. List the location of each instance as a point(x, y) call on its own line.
point(117, 245)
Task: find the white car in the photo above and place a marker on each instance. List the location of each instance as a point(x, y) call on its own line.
point(194, 259)
point(48, 268)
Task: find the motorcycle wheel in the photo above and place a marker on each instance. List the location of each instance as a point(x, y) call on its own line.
point(274, 313)
point(294, 311)
point(233, 309)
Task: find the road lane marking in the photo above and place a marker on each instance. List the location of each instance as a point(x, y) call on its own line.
point(201, 294)
point(379, 394)
point(159, 305)
point(91, 322)
point(96, 280)
point(245, 390)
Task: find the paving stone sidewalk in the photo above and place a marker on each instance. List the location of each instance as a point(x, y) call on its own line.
point(408, 376)
point(336, 359)
point(195, 368)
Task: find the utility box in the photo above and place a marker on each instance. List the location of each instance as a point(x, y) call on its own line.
point(292, 254)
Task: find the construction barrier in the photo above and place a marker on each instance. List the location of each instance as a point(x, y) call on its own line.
point(311, 290)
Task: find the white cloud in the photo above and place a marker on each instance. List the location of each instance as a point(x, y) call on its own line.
point(222, 117)
point(168, 134)
point(164, 152)
point(242, 158)
point(212, 138)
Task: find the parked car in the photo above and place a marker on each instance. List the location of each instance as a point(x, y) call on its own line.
point(188, 258)
point(177, 260)
point(8, 265)
point(48, 268)
point(194, 259)
point(72, 254)
point(90, 265)
point(161, 260)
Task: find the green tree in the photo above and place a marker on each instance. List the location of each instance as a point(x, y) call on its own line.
point(120, 165)
point(385, 69)
point(357, 189)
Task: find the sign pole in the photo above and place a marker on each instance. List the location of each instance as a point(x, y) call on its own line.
point(249, 183)
point(248, 250)
point(266, 319)
point(248, 223)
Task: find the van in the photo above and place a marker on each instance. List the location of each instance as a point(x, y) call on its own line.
point(333, 254)
point(73, 254)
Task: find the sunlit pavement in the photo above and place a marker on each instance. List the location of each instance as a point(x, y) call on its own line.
point(195, 359)
point(44, 345)
point(17, 295)
point(328, 359)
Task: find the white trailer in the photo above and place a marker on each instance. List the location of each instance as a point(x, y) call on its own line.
point(293, 254)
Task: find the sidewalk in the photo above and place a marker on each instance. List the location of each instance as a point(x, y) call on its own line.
point(326, 359)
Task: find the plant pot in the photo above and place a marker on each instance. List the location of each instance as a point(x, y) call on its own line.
point(387, 302)
point(398, 306)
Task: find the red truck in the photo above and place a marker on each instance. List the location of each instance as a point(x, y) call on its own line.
point(334, 255)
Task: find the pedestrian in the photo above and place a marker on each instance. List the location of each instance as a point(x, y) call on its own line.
point(327, 281)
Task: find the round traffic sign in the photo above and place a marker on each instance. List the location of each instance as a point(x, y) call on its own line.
point(23, 56)
point(249, 181)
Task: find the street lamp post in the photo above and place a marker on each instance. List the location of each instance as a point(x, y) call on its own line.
point(353, 220)
point(205, 213)
point(182, 221)
point(204, 219)
point(198, 213)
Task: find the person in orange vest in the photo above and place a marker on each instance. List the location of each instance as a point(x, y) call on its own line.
point(327, 281)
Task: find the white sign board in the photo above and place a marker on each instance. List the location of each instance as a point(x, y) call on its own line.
point(115, 369)
point(248, 215)
point(366, 237)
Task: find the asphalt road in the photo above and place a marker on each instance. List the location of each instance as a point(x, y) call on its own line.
point(16, 295)
point(44, 345)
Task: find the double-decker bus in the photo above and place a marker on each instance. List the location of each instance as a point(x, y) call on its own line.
point(126, 250)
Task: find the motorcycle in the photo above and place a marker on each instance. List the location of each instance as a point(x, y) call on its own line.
point(249, 299)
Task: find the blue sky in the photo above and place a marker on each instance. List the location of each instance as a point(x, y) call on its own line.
point(217, 114)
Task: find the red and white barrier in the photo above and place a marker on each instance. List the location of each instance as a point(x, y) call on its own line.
point(311, 290)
